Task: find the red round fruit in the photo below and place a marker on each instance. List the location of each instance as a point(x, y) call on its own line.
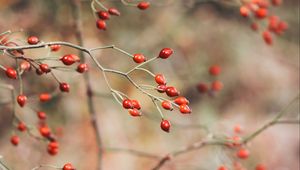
point(215, 70)
point(222, 168)
point(172, 91)
point(81, 68)
point(114, 11)
point(160, 79)
point(139, 58)
point(127, 104)
point(202, 88)
point(167, 105)
point(64, 87)
point(134, 112)
point(44, 97)
point(161, 88)
point(136, 104)
point(21, 126)
point(165, 53)
point(25, 65)
point(261, 13)
point(267, 37)
point(143, 5)
point(103, 15)
point(243, 153)
point(276, 2)
point(244, 11)
point(185, 109)
point(33, 40)
point(55, 47)
point(181, 100)
point(217, 85)
point(21, 99)
point(165, 125)
point(69, 59)
point(260, 167)
point(45, 68)
point(45, 131)
point(254, 26)
point(42, 115)
point(53, 148)
point(68, 166)
point(101, 25)
point(11, 73)
point(15, 140)
point(237, 129)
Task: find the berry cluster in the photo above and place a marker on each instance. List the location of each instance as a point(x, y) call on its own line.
point(104, 14)
point(259, 11)
point(216, 85)
point(241, 152)
point(40, 67)
point(180, 102)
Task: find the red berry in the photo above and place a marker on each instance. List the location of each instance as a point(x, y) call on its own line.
point(202, 88)
point(165, 125)
point(260, 167)
point(45, 68)
point(143, 5)
point(53, 148)
point(261, 13)
point(11, 73)
point(45, 131)
point(21, 126)
point(244, 11)
point(39, 71)
point(243, 153)
point(161, 88)
point(268, 37)
point(55, 47)
point(114, 11)
point(101, 25)
point(136, 104)
point(281, 27)
point(160, 79)
point(103, 15)
point(139, 58)
point(134, 112)
point(276, 2)
point(44, 97)
point(167, 105)
point(254, 26)
point(33, 40)
point(185, 109)
point(25, 65)
point(68, 166)
point(222, 168)
point(237, 129)
point(42, 115)
point(216, 85)
point(215, 70)
point(15, 140)
point(127, 104)
point(172, 91)
point(165, 53)
point(64, 87)
point(69, 59)
point(81, 68)
point(181, 100)
point(21, 99)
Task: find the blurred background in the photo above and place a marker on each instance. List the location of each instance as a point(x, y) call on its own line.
point(259, 80)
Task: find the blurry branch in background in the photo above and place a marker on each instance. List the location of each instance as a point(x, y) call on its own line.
point(208, 141)
point(132, 152)
point(76, 13)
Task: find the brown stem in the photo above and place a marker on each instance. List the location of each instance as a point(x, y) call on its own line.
point(76, 13)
